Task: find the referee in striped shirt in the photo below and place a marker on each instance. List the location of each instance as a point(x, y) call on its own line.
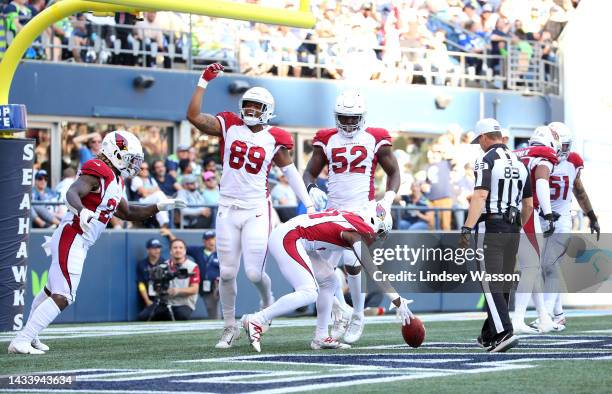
point(502, 199)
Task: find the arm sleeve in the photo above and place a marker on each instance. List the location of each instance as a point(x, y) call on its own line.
point(297, 184)
point(482, 174)
point(543, 193)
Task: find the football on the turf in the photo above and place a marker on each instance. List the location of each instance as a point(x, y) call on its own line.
point(414, 333)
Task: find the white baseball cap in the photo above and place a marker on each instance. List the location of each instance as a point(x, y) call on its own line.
point(484, 126)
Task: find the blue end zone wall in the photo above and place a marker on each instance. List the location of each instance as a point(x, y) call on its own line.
point(104, 91)
point(108, 292)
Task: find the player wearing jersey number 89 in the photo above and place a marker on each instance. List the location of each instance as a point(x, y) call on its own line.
point(352, 152)
point(92, 200)
point(249, 147)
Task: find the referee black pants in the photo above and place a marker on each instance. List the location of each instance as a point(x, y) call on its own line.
point(500, 241)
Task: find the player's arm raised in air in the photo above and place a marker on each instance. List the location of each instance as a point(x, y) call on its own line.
point(206, 123)
point(585, 203)
point(282, 158)
point(359, 246)
point(135, 212)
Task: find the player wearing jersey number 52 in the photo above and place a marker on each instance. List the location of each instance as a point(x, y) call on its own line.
point(249, 147)
point(93, 199)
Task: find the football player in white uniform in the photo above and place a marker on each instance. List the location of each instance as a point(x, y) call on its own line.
point(92, 200)
point(292, 245)
point(539, 158)
point(351, 152)
point(564, 181)
point(249, 147)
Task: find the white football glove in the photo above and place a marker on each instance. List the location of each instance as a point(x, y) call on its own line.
point(318, 197)
point(85, 217)
point(403, 312)
point(387, 201)
point(170, 204)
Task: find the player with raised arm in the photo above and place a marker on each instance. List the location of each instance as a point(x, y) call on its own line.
point(292, 245)
point(352, 152)
point(539, 157)
point(564, 181)
point(93, 199)
point(249, 147)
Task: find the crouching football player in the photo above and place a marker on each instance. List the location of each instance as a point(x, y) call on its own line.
point(290, 245)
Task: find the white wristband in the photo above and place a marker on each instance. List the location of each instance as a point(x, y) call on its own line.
point(389, 196)
point(202, 83)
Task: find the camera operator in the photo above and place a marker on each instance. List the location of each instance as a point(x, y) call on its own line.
point(205, 255)
point(176, 282)
point(145, 286)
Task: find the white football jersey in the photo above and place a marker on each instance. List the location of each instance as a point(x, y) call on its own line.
point(352, 163)
point(247, 159)
point(562, 183)
point(532, 157)
point(103, 202)
point(322, 231)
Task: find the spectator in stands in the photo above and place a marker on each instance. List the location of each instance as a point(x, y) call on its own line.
point(145, 286)
point(124, 39)
point(196, 169)
point(205, 256)
point(438, 185)
point(151, 37)
point(80, 38)
point(282, 194)
point(211, 189)
point(193, 217)
point(68, 177)
point(183, 292)
point(165, 181)
point(17, 14)
point(210, 165)
point(145, 189)
point(43, 216)
point(473, 42)
point(415, 220)
point(500, 37)
point(172, 162)
point(463, 188)
point(92, 149)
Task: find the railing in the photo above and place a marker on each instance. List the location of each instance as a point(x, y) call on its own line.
point(118, 44)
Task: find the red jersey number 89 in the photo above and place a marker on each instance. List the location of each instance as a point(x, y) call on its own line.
point(251, 158)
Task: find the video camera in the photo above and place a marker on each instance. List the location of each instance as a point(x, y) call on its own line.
point(161, 275)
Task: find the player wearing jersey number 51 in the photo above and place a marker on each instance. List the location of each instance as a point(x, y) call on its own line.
point(93, 199)
point(249, 147)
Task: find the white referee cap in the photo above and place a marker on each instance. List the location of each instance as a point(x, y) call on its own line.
point(484, 126)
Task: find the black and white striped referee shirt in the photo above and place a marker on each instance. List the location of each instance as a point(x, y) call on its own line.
point(504, 176)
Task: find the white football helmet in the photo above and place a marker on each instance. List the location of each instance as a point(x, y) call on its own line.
point(257, 95)
point(376, 216)
point(124, 151)
point(565, 138)
point(545, 136)
point(350, 113)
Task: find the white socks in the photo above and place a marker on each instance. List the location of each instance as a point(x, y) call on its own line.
point(264, 286)
point(325, 300)
point(287, 304)
point(358, 298)
point(339, 289)
point(40, 319)
point(227, 295)
point(40, 297)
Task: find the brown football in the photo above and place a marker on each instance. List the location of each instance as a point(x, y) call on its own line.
point(414, 333)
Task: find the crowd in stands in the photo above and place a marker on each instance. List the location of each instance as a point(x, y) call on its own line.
point(355, 40)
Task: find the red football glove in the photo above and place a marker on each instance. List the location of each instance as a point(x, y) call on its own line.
point(211, 72)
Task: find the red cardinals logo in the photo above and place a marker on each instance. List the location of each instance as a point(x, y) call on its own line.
point(380, 212)
point(120, 141)
point(554, 134)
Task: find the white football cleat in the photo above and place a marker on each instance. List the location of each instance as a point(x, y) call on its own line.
point(355, 329)
point(228, 337)
point(560, 319)
point(546, 324)
point(341, 317)
point(37, 344)
point(22, 347)
point(519, 327)
point(556, 325)
point(254, 330)
point(327, 343)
